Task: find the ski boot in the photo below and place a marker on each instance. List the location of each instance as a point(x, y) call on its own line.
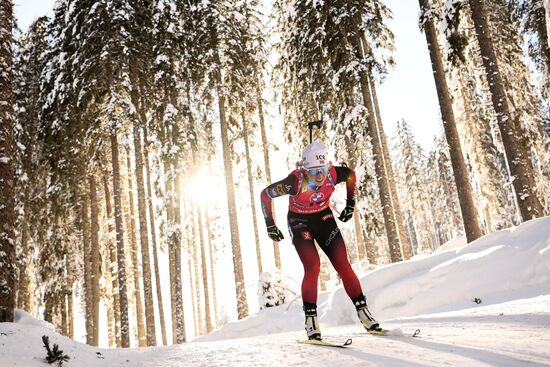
point(363, 312)
point(312, 326)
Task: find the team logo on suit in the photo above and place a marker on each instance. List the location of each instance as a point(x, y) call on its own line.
point(318, 196)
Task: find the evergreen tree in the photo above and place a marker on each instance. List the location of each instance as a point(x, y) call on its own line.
point(469, 212)
point(516, 151)
point(411, 168)
point(29, 65)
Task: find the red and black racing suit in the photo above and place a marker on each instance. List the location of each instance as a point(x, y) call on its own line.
point(309, 219)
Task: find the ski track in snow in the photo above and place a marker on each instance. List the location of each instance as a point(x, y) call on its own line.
point(447, 339)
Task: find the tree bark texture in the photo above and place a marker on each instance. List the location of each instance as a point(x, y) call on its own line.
point(154, 238)
point(8, 269)
point(94, 257)
point(113, 266)
point(144, 240)
point(140, 316)
point(87, 259)
point(123, 298)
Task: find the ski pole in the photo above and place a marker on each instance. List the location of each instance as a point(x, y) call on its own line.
point(310, 125)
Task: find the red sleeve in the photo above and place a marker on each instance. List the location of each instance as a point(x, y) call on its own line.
point(344, 174)
point(279, 188)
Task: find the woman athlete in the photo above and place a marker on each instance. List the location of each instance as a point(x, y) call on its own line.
point(309, 219)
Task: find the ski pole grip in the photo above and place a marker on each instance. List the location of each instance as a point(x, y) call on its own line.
point(311, 124)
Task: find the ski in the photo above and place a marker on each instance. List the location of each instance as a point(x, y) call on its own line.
point(393, 332)
point(324, 343)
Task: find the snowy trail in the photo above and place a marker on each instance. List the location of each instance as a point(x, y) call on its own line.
point(451, 339)
point(517, 340)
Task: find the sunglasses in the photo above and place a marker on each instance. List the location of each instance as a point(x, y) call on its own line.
point(316, 171)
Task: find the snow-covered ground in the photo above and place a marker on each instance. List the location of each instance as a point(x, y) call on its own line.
point(508, 272)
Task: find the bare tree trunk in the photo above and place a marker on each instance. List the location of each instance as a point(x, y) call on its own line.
point(140, 316)
point(124, 327)
point(251, 191)
point(196, 266)
point(512, 137)
point(265, 150)
point(211, 259)
point(405, 245)
point(70, 307)
point(87, 267)
point(25, 298)
point(174, 238)
point(8, 270)
point(464, 189)
point(154, 238)
point(94, 257)
point(206, 288)
point(113, 265)
point(384, 192)
point(144, 239)
point(242, 304)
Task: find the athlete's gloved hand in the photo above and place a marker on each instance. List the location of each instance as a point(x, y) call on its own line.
point(274, 233)
point(347, 213)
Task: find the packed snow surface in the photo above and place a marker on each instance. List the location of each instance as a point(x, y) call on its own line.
point(507, 273)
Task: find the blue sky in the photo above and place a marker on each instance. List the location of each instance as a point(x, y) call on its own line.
point(408, 91)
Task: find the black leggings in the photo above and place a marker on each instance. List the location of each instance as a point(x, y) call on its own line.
point(321, 227)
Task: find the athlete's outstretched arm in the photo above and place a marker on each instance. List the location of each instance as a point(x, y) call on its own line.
point(279, 188)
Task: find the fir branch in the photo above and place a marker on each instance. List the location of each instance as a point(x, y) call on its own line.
point(54, 355)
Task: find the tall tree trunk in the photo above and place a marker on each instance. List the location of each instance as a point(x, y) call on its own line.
point(206, 288)
point(123, 299)
point(512, 137)
point(177, 219)
point(8, 269)
point(113, 265)
point(265, 150)
point(25, 297)
point(211, 259)
point(154, 238)
point(70, 307)
point(86, 257)
point(140, 316)
point(242, 304)
point(464, 189)
point(144, 238)
point(172, 194)
point(94, 257)
point(251, 191)
point(383, 188)
point(196, 267)
point(405, 245)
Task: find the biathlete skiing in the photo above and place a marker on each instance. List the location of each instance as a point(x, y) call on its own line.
point(310, 218)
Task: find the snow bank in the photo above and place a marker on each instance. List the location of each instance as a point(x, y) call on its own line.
point(503, 266)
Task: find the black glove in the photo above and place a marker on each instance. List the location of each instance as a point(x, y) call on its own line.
point(347, 213)
point(274, 233)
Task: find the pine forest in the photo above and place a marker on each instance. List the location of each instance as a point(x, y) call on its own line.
point(137, 135)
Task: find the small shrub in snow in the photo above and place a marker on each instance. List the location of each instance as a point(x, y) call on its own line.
point(54, 355)
point(273, 290)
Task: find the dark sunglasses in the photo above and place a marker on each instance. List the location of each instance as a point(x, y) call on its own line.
point(317, 170)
